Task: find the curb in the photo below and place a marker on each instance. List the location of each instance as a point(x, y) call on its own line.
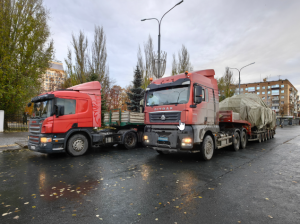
point(9, 147)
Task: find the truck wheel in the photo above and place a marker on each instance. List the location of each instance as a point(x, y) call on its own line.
point(130, 140)
point(269, 135)
point(259, 138)
point(236, 141)
point(244, 140)
point(207, 148)
point(77, 145)
point(263, 137)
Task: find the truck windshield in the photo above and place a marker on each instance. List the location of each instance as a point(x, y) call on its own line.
point(167, 96)
point(42, 109)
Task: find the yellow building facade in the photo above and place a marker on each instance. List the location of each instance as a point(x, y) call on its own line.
point(54, 77)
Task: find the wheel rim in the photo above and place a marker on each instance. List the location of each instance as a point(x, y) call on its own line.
point(208, 150)
point(236, 141)
point(78, 145)
point(129, 139)
point(243, 138)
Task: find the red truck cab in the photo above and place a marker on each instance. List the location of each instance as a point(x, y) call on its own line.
point(65, 120)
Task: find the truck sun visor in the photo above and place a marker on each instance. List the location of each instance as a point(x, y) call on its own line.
point(42, 98)
point(178, 82)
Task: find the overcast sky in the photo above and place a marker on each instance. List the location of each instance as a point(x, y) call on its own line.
point(217, 33)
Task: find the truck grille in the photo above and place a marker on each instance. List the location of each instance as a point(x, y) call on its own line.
point(34, 139)
point(164, 117)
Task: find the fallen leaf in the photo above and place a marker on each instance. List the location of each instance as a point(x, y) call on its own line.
point(267, 199)
point(16, 217)
point(270, 216)
point(139, 213)
point(97, 216)
point(73, 214)
point(156, 219)
point(4, 214)
point(33, 207)
point(42, 195)
point(26, 203)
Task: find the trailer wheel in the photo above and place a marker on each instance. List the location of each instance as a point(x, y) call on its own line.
point(236, 141)
point(244, 139)
point(207, 148)
point(130, 140)
point(77, 145)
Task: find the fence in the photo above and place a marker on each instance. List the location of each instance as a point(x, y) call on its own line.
point(15, 122)
point(287, 121)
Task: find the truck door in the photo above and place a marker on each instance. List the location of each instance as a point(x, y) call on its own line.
point(200, 112)
point(65, 122)
point(210, 107)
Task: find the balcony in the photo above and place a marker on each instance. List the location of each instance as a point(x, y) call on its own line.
point(276, 110)
point(275, 98)
point(275, 104)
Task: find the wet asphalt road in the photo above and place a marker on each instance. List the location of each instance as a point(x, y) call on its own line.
point(260, 184)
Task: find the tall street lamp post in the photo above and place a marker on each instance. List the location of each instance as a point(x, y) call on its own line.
point(159, 22)
point(240, 75)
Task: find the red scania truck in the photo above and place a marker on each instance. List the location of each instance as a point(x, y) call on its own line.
point(182, 115)
point(67, 121)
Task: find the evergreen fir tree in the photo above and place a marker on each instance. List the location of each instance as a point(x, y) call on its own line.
point(137, 93)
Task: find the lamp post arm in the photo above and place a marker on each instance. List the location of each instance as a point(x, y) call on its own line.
point(170, 10)
point(247, 65)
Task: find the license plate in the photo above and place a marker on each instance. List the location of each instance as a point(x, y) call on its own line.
point(163, 139)
point(32, 147)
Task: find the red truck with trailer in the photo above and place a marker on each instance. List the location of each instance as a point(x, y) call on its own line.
point(68, 121)
point(182, 115)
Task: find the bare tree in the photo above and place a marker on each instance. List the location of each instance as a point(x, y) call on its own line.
point(183, 64)
point(226, 85)
point(282, 109)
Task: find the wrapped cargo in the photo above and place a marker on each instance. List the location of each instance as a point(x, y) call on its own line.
point(251, 108)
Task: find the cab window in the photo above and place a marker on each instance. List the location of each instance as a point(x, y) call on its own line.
point(68, 104)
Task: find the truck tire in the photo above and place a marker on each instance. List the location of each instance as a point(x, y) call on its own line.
point(236, 141)
point(77, 145)
point(262, 137)
point(244, 139)
point(268, 135)
point(207, 148)
point(130, 140)
point(259, 138)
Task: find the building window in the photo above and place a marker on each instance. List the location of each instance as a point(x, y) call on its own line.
point(251, 89)
point(282, 91)
point(257, 93)
point(257, 87)
point(241, 89)
point(275, 86)
point(282, 102)
point(263, 93)
point(268, 87)
point(275, 92)
point(263, 97)
point(268, 97)
point(282, 97)
point(282, 86)
point(246, 88)
point(263, 87)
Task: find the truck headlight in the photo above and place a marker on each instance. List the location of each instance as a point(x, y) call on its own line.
point(186, 142)
point(145, 137)
point(45, 140)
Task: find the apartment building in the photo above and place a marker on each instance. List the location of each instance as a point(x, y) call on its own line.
point(281, 96)
point(54, 77)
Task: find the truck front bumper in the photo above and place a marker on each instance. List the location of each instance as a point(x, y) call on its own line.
point(169, 138)
point(35, 145)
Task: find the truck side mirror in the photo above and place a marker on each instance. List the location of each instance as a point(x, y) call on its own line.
point(59, 110)
point(198, 94)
